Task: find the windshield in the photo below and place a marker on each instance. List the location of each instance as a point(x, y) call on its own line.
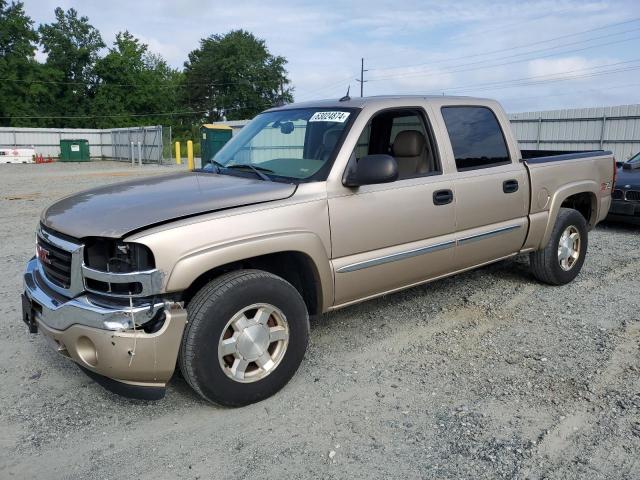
point(634, 159)
point(297, 144)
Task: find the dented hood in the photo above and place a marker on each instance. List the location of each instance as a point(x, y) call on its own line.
point(118, 209)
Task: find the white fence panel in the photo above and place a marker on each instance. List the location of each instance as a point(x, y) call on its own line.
point(103, 143)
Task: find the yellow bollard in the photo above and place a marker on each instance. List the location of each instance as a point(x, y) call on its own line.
point(190, 155)
point(178, 159)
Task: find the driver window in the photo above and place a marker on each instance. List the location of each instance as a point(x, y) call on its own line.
point(403, 134)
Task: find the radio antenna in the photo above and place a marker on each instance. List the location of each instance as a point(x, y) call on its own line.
point(346, 98)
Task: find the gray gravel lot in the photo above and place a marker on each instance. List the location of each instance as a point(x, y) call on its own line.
point(488, 374)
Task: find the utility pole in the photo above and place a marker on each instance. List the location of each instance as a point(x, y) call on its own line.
point(361, 79)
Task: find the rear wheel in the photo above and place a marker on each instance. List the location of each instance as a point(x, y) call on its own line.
point(562, 258)
point(246, 336)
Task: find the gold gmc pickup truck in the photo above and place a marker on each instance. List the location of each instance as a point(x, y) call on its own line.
point(309, 208)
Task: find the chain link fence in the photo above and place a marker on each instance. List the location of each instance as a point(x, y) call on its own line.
point(137, 144)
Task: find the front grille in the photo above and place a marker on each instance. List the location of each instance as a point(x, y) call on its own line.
point(617, 194)
point(633, 195)
point(55, 262)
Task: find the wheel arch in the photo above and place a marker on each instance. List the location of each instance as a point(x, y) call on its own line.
point(298, 258)
point(581, 196)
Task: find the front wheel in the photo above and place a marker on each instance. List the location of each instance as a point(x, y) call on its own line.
point(562, 258)
point(246, 335)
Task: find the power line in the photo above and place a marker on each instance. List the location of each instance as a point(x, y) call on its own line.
point(473, 85)
point(542, 79)
point(108, 84)
point(312, 93)
point(542, 82)
point(108, 116)
point(609, 87)
point(430, 74)
point(505, 83)
point(509, 26)
point(451, 69)
point(413, 74)
point(514, 47)
point(562, 79)
point(119, 115)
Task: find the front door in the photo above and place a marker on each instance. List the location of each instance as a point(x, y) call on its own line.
point(388, 236)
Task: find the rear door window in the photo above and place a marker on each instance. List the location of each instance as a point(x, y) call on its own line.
point(476, 137)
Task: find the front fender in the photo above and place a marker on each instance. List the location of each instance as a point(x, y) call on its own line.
point(195, 264)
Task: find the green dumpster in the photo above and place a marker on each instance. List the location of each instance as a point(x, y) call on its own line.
point(74, 150)
point(213, 137)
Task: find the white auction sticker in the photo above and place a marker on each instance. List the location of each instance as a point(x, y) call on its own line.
point(338, 117)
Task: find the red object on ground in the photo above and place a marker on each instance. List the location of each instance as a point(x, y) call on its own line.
point(40, 159)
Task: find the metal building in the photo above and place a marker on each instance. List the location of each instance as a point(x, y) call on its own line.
point(600, 128)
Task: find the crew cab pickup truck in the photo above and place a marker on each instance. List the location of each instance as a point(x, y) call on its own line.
point(309, 208)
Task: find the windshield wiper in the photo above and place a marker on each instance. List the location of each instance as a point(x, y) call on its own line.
point(257, 170)
point(219, 166)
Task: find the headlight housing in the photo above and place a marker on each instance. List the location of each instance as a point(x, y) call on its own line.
point(116, 256)
point(120, 269)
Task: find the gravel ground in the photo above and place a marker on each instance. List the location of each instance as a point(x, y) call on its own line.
point(485, 375)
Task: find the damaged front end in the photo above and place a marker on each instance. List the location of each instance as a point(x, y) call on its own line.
point(100, 304)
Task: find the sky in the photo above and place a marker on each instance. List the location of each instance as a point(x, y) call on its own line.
point(536, 55)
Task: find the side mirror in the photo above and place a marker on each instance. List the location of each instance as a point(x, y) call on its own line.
point(287, 128)
point(619, 164)
point(370, 170)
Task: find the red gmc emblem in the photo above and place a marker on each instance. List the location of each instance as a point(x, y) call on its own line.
point(43, 254)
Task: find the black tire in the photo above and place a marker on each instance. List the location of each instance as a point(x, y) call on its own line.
point(545, 265)
point(208, 314)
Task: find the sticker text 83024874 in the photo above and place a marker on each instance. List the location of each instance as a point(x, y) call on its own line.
point(339, 117)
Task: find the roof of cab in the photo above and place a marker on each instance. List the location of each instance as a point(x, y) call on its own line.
point(375, 101)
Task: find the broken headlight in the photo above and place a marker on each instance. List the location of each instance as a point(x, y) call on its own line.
point(116, 256)
point(107, 263)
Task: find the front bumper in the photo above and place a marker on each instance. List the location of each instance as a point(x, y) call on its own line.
point(61, 312)
point(80, 330)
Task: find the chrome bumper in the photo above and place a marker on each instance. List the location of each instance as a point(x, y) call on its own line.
point(59, 312)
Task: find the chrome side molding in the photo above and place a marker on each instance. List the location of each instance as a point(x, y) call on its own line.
point(394, 257)
point(482, 236)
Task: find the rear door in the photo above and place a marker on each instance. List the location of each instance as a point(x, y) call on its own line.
point(491, 185)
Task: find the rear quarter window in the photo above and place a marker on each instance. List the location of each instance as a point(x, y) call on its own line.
point(476, 137)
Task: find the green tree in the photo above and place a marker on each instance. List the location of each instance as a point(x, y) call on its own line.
point(234, 76)
point(18, 67)
point(133, 81)
point(72, 46)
